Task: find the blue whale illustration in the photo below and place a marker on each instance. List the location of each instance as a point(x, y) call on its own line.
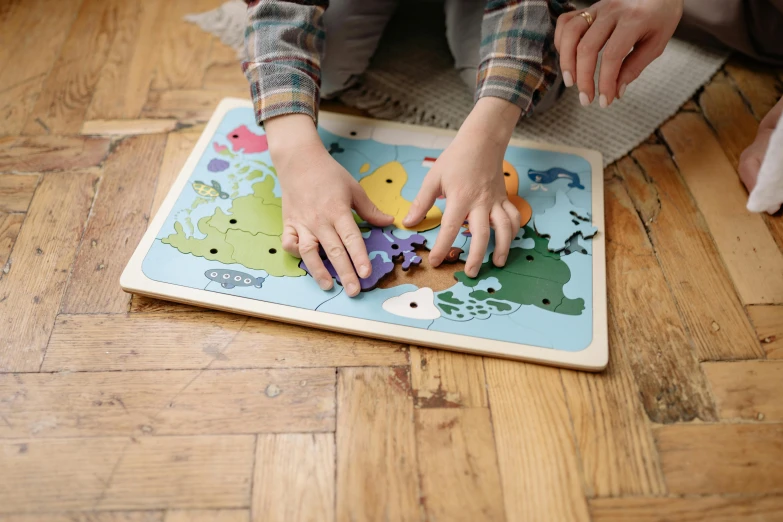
point(555, 173)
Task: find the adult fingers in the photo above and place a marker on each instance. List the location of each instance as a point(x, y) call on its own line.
point(572, 33)
point(450, 226)
point(429, 191)
point(354, 242)
point(290, 240)
point(587, 57)
point(643, 54)
point(503, 226)
point(562, 20)
point(479, 231)
point(335, 251)
point(367, 209)
point(617, 48)
point(309, 249)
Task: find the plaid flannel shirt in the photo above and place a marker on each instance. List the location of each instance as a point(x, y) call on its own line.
point(285, 42)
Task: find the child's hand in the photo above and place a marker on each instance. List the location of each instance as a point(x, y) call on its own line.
point(470, 174)
point(318, 194)
point(639, 27)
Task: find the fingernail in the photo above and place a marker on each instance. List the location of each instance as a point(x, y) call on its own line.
point(364, 271)
point(568, 80)
point(584, 99)
point(603, 102)
point(325, 284)
point(622, 90)
point(502, 260)
point(353, 288)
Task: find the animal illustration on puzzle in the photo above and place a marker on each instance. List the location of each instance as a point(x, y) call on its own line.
point(224, 235)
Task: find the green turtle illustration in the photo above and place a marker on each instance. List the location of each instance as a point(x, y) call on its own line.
point(209, 192)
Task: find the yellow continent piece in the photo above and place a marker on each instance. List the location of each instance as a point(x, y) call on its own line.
point(384, 188)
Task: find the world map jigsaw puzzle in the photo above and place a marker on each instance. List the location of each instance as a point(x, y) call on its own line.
point(221, 234)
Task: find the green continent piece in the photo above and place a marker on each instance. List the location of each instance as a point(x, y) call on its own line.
point(258, 213)
point(528, 278)
point(262, 252)
point(213, 247)
point(542, 244)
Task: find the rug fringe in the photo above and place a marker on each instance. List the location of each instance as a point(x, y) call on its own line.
point(385, 106)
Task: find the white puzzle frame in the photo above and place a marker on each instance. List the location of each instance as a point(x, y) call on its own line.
point(593, 358)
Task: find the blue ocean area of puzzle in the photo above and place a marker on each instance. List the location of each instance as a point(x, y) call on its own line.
point(217, 189)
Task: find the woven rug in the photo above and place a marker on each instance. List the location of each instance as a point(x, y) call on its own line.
point(411, 79)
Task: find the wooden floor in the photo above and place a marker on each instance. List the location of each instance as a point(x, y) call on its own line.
point(115, 408)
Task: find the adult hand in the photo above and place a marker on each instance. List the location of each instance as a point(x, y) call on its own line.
point(752, 157)
point(632, 33)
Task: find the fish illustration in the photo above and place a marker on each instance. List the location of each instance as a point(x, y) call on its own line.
point(548, 176)
point(209, 192)
point(245, 140)
point(335, 148)
point(232, 278)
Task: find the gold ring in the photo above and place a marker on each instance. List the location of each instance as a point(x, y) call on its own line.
point(588, 18)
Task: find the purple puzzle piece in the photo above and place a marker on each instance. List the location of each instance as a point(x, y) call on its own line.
point(380, 241)
point(217, 165)
point(379, 269)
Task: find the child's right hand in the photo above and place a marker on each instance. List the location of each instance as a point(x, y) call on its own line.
point(318, 195)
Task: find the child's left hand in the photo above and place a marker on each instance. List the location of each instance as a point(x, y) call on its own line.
point(470, 174)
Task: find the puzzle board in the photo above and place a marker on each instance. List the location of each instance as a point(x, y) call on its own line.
point(215, 242)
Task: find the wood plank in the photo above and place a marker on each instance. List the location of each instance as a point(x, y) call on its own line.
point(442, 379)
point(121, 473)
point(88, 516)
point(649, 329)
point(179, 145)
point(28, 49)
point(458, 465)
point(721, 458)
point(689, 509)
point(748, 390)
point(68, 91)
point(16, 192)
point(10, 224)
point(125, 79)
point(376, 447)
point(224, 69)
point(196, 340)
point(127, 127)
point(616, 447)
point(175, 402)
point(294, 478)
point(725, 110)
point(690, 262)
point(758, 84)
point(207, 515)
point(117, 222)
point(31, 290)
point(142, 304)
point(188, 106)
point(182, 46)
point(768, 321)
point(746, 245)
point(44, 153)
point(539, 467)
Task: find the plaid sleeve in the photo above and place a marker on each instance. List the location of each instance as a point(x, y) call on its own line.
point(284, 40)
point(518, 56)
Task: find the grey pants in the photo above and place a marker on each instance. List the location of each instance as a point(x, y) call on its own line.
point(354, 28)
point(752, 27)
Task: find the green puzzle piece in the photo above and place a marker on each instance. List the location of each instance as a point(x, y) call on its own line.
point(213, 247)
point(529, 278)
point(252, 239)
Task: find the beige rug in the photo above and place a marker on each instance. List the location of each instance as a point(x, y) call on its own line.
point(411, 79)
